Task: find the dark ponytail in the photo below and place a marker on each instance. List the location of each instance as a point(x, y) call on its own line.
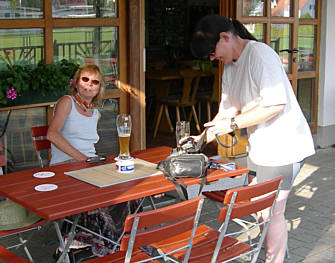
point(241, 30)
point(207, 33)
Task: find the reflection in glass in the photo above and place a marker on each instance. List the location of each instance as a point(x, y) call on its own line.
point(257, 30)
point(305, 95)
point(89, 45)
point(253, 8)
point(84, 9)
point(108, 143)
point(18, 139)
point(280, 42)
point(13, 9)
point(307, 9)
point(21, 46)
point(281, 8)
point(306, 46)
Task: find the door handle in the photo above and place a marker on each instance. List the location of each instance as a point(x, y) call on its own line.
point(294, 50)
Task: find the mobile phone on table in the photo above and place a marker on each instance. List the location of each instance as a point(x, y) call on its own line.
point(96, 159)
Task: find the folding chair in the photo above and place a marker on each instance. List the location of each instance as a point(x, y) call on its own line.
point(40, 142)
point(18, 231)
point(21, 232)
point(152, 226)
point(218, 197)
point(228, 246)
point(9, 257)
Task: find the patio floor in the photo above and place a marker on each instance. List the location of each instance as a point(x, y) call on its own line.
point(310, 214)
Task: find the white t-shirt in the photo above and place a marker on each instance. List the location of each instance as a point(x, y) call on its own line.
point(258, 78)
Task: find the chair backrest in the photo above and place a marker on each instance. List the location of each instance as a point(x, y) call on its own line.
point(245, 201)
point(152, 226)
point(2, 156)
point(9, 257)
point(40, 142)
point(191, 80)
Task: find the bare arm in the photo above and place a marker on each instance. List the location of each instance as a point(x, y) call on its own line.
point(63, 109)
point(254, 116)
point(222, 114)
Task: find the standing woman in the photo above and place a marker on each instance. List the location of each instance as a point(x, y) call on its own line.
point(73, 133)
point(257, 95)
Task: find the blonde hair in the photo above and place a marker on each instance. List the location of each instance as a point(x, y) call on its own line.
point(89, 68)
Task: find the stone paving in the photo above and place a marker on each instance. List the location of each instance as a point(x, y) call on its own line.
point(310, 215)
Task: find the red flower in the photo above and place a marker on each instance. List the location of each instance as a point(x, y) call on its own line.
point(11, 94)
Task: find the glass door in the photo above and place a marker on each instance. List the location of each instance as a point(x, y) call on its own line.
point(292, 29)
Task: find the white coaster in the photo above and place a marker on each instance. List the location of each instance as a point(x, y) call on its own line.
point(44, 174)
point(46, 187)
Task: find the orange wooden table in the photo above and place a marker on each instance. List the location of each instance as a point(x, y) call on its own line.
point(75, 196)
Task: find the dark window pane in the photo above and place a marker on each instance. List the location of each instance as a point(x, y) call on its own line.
point(109, 141)
point(305, 97)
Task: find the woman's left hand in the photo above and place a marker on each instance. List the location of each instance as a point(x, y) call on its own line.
point(219, 127)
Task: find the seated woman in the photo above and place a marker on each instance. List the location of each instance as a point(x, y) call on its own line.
point(73, 133)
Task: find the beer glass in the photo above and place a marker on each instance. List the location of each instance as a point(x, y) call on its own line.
point(123, 125)
point(182, 131)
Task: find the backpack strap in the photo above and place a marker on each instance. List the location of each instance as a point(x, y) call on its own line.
point(181, 188)
point(233, 135)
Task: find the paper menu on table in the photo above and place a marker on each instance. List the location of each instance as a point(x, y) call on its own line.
point(107, 174)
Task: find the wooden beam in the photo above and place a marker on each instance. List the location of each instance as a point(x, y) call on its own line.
point(123, 57)
point(48, 30)
point(136, 73)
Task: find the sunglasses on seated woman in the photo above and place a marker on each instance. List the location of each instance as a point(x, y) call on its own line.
point(94, 81)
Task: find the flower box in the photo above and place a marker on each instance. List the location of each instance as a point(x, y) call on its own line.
point(32, 84)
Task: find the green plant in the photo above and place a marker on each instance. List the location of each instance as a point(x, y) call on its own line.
point(18, 79)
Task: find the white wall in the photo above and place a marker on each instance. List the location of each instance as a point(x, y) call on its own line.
point(326, 110)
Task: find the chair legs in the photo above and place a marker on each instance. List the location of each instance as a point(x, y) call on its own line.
point(162, 107)
point(199, 110)
point(193, 114)
point(168, 118)
point(26, 249)
point(23, 243)
point(159, 117)
point(196, 119)
point(177, 113)
point(244, 225)
point(208, 111)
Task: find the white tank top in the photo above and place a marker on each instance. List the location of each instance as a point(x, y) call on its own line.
point(80, 131)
